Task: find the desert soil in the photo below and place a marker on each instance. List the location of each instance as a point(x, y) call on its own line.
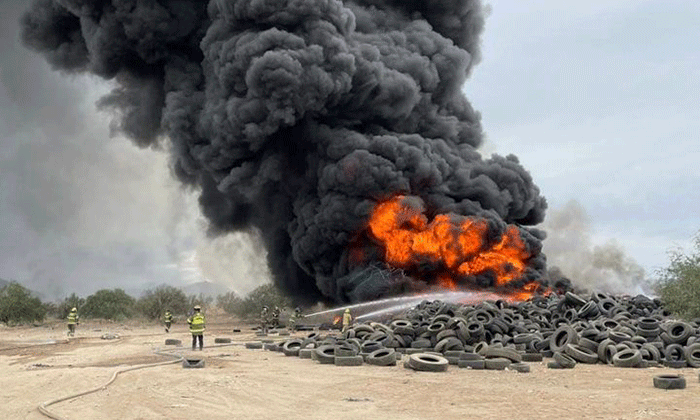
point(39, 364)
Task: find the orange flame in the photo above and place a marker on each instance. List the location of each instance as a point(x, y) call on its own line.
point(457, 243)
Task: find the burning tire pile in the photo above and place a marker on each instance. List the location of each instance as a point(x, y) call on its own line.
point(625, 332)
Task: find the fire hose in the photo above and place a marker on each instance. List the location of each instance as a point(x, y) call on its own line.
point(178, 358)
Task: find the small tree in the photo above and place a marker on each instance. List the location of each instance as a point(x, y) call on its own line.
point(229, 302)
point(679, 283)
point(154, 302)
point(200, 299)
point(72, 301)
point(109, 304)
point(267, 294)
point(17, 305)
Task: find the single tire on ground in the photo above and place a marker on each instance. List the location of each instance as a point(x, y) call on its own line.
point(305, 353)
point(172, 342)
point(669, 382)
point(222, 340)
point(428, 362)
point(254, 345)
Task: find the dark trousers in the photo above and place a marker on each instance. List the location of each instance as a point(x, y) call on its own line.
point(167, 326)
point(194, 341)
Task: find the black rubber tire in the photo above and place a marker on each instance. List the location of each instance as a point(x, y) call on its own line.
point(292, 347)
point(532, 357)
point(581, 354)
point(348, 361)
point(669, 382)
point(653, 354)
point(564, 360)
point(497, 363)
point(647, 323)
point(173, 342)
point(677, 333)
point(449, 343)
point(554, 365)
point(603, 350)
point(254, 345)
point(428, 362)
point(305, 353)
point(382, 357)
point(472, 364)
point(505, 353)
point(345, 350)
point(471, 356)
point(675, 364)
point(270, 347)
point(222, 340)
point(519, 367)
point(674, 352)
point(627, 358)
point(421, 343)
point(692, 355)
point(325, 354)
point(561, 337)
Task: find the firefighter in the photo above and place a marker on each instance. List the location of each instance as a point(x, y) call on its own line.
point(73, 320)
point(347, 319)
point(196, 322)
point(276, 317)
point(264, 314)
point(168, 319)
point(294, 318)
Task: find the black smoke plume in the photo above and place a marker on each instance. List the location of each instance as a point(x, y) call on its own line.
point(294, 117)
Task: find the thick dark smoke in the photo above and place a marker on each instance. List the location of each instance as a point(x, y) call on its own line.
point(295, 117)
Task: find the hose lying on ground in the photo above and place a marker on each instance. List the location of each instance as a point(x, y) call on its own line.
point(178, 358)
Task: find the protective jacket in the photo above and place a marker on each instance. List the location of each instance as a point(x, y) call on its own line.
point(72, 318)
point(168, 317)
point(196, 322)
point(347, 319)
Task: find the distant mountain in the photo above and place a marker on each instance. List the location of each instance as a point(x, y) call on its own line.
point(206, 288)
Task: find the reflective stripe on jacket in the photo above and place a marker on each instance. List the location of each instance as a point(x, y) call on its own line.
point(196, 324)
point(168, 317)
point(72, 318)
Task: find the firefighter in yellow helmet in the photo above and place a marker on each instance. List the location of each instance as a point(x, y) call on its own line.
point(347, 319)
point(72, 321)
point(196, 322)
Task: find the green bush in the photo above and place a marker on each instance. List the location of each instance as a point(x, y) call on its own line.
point(18, 306)
point(154, 302)
point(679, 284)
point(108, 304)
point(267, 294)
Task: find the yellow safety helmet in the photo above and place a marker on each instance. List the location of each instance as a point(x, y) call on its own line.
point(347, 310)
point(197, 307)
point(74, 310)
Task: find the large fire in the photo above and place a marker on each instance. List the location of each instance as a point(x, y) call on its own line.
point(455, 247)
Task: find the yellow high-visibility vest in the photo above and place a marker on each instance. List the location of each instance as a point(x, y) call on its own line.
point(196, 324)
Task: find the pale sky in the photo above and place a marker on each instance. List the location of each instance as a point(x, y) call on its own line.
point(598, 99)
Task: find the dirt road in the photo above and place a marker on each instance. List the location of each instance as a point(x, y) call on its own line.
point(238, 383)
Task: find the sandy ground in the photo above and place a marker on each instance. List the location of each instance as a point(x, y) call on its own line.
point(238, 383)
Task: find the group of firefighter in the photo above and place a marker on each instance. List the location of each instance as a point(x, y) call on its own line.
point(196, 322)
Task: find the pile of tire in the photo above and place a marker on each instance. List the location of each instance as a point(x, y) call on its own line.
point(622, 331)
